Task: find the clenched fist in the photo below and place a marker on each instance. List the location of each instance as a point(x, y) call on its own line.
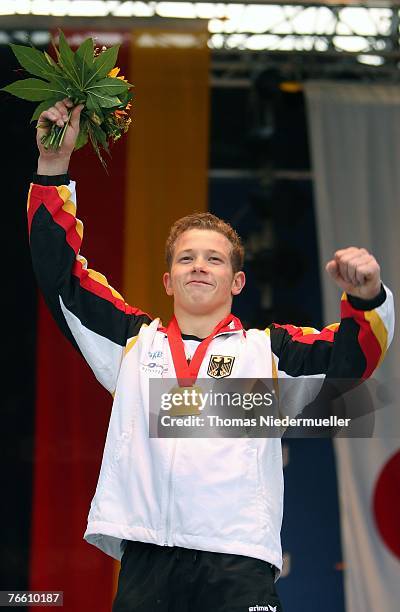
point(356, 272)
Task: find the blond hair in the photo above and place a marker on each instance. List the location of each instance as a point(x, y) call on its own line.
point(205, 221)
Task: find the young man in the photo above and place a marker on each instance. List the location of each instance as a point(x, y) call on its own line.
point(196, 521)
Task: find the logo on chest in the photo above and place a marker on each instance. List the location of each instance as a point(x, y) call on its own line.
point(220, 366)
point(153, 364)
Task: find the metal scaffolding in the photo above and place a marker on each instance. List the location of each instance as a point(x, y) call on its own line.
point(300, 40)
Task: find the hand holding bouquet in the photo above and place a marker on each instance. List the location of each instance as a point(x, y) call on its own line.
point(86, 78)
point(65, 117)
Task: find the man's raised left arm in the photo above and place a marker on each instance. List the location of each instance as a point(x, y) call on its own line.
point(353, 348)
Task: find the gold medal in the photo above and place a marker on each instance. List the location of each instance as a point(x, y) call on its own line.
point(185, 401)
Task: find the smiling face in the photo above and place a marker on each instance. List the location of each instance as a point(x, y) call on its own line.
point(201, 277)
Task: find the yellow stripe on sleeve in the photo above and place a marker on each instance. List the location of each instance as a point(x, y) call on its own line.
point(64, 193)
point(379, 330)
point(130, 345)
point(274, 368)
point(69, 207)
point(29, 197)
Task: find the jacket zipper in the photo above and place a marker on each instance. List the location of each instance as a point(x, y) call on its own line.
point(169, 506)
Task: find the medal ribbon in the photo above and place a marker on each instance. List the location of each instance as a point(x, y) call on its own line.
point(186, 374)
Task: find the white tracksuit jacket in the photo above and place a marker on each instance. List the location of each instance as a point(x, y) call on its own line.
point(221, 495)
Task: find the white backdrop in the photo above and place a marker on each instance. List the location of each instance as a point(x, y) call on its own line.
point(355, 145)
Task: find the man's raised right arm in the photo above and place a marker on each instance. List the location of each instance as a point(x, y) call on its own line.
point(91, 314)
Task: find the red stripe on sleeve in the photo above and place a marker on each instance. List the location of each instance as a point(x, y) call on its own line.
point(102, 291)
point(50, 198)
point(297, 334)
point(366, 338)
point(35, 200)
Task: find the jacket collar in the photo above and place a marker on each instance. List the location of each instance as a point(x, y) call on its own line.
point(234, 326)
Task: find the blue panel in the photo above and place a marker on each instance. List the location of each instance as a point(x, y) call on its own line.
point(229, 199)
point(311, 529)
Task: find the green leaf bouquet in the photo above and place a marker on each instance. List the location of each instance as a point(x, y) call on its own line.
point(87, 76)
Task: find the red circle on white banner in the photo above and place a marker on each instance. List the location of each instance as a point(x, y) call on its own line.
point(386, 504)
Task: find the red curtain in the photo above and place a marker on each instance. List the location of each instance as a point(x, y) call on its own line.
point(72, 409)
